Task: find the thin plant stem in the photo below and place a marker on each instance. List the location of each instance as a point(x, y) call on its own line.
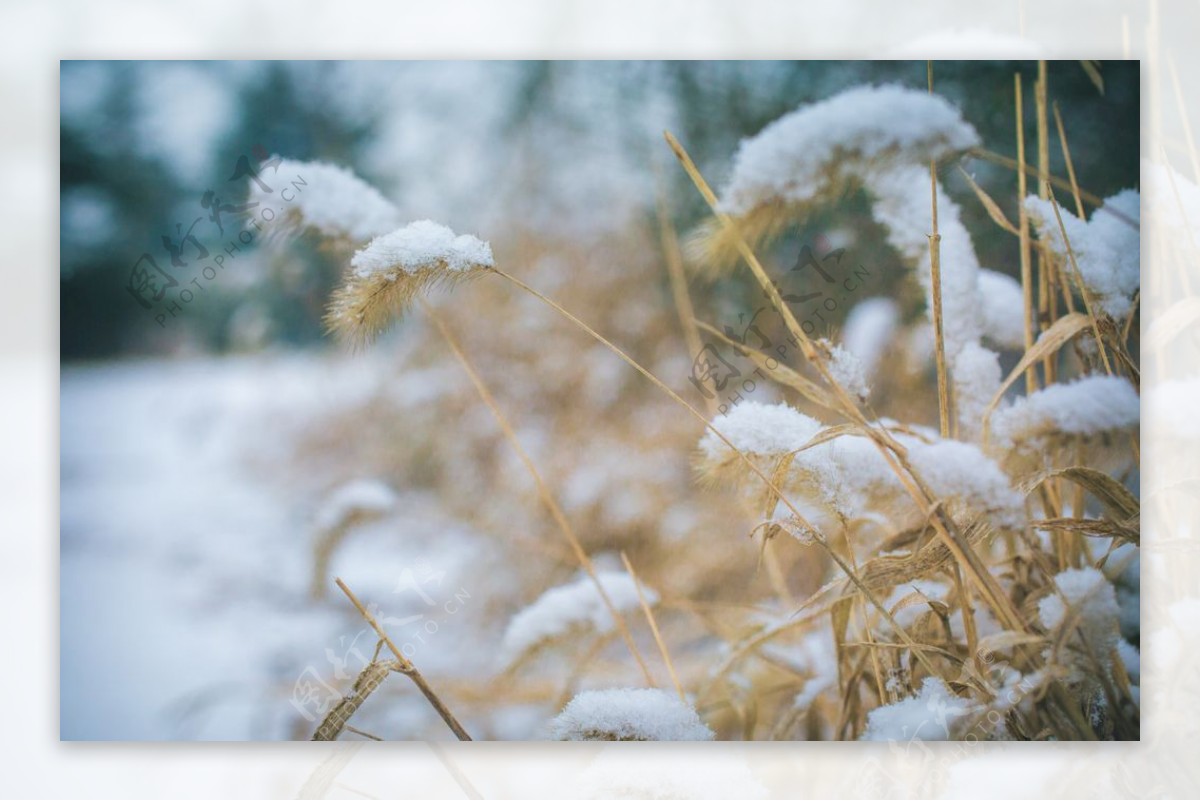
point(1083, 290)
point(1023, 226)
point(544, 493)
point(679, 288)
point(1061, 183)
point(406, 666)
point(1047, 301)
point(658, 639)
point(935, 280)
point(1066, 150)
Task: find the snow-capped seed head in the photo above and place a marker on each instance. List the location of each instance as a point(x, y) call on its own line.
point(1086, 407)
point(330, 199)
point(820, 149)
point(573, 607)
point(800, 155)
point(629, 714)
point(1107, 247)
point(758, 430)
point(935, 713)
point(391, 271)
point(973, 483)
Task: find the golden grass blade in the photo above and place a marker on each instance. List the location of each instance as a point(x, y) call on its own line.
point(1092, 69)
point(781, 373)
point(989, 205)
point(403, 665)
point(1014, 165)
point(1052, 339)
point(658, 639)
point(1092, 528)
point(1026, 257)
point(1106, 489)
point(1066, 149)
point(935, 283)
point(1083, 290)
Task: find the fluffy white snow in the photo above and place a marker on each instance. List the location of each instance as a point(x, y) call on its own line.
point(1086, 600)
point(1107, 247)
point(629, 714)
point(1087, 406)
point(847, 370)
point(1003, 309)
point(869, 330)
point(975, 373)
point(960, 470)
point(851, 476)
point(330, 198)
point(884, 138)
point(803, 154)
point(933, 714)
point(570, 607)
point(915, 606)
point(759, 429)
point(419, 246)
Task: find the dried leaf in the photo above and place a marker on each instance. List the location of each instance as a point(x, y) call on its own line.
point(993, 209)
point(1052, 339)
point(781, 373)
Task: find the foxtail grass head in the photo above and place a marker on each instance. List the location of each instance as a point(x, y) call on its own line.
point(387, 275)
point(326, 199)
point(823, 150)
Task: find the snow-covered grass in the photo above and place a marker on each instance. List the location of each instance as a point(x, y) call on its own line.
point(489, 478)
point(628, 714)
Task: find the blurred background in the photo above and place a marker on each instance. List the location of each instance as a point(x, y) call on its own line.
point(222, 460)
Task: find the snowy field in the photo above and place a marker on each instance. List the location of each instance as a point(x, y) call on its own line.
point(186, 567)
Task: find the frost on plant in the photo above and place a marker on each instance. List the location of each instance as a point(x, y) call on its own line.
point(1107, 248)
point(570, 609)
point(331, 200)
point(629, 714)
point(388, 274)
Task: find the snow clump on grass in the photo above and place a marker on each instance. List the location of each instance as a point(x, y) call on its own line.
point(629, 714)
point(571, 608)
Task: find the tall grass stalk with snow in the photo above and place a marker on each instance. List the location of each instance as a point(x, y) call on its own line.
point(971, 581)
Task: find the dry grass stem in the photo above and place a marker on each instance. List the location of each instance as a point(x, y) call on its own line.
point(658, 639)
point(403, 665)
point(547, 497)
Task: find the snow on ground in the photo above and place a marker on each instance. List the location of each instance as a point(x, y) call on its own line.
point(185, 569)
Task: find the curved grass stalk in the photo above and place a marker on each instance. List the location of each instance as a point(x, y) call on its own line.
point(544, 493)
point(893, 452)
